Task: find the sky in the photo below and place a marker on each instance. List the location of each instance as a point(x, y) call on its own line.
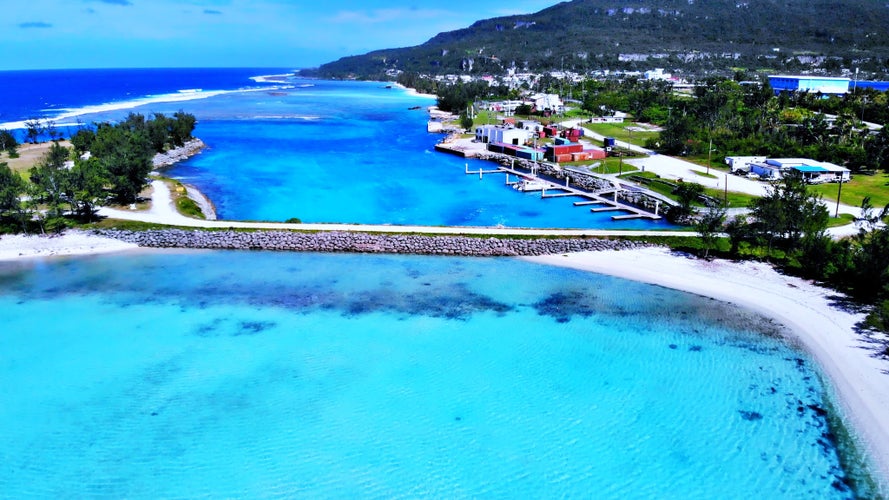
point(55, 34)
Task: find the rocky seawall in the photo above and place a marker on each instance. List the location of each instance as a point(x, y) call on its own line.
point(174, 155)
point(337, 241)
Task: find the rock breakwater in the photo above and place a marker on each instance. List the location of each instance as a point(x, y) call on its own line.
point(174, 155)
point(347, 241)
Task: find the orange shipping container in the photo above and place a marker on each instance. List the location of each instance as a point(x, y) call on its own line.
point(563, 158)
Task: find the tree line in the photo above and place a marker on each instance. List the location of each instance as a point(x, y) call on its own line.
point(106, 163)
point(788, 226)
point(725, 117)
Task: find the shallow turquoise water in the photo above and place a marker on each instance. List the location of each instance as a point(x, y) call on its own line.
point(232, 374)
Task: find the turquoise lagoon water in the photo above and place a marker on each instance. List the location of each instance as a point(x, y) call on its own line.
point(236, 374)
point(326, 151)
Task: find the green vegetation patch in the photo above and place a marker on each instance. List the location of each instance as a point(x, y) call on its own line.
point(619, 131)
point(874, 186)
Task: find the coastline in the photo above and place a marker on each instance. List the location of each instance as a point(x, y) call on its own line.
point(414, 92)
point(858, 379)
point(72, 242)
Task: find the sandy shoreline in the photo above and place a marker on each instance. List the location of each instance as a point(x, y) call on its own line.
point(411, 91)
point(859, 380)
point(19, 246)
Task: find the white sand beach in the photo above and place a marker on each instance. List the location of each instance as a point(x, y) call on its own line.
point(18, 246)
point(821, 327)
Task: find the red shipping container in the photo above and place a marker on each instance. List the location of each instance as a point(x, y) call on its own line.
point(568, 148)
point(596, 154)
point(563, 158)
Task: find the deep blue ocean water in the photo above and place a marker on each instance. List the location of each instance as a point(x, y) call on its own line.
point(258, 374)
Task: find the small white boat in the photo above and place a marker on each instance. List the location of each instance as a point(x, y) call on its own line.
point(530, 185)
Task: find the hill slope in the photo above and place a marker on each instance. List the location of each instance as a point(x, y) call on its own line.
point(588, 34)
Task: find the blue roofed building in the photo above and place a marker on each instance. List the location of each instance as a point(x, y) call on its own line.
point(814, 84)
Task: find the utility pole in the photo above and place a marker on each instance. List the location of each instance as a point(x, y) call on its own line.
point(839, 193)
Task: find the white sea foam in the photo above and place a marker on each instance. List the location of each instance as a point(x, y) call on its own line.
point(179, 96)
point(271, 78)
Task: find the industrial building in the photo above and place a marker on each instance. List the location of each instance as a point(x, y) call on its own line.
point(502, 134)
point(813, 172)
point(823, 84)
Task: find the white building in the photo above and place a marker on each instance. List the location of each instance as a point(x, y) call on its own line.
point(742, 163)
point(550, 102)
point(657, 74)
point(500, 133)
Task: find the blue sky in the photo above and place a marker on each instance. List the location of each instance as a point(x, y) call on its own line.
point(38, 34)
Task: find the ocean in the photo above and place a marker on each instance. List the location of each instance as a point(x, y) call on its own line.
point(187, 374)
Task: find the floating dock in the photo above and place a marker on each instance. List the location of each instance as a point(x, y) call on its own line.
point(566, 190)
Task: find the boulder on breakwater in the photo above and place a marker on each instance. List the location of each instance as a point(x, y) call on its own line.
point(347, 241)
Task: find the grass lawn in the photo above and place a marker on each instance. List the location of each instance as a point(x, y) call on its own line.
point(735, 199)
point(607, 166)
point(842, 220)
point(619, 131)
point(29, 155)
point(703, 174)
point(657, 187)
point(876, 186)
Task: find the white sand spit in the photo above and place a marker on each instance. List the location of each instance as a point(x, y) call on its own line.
point(821, 327)
point(19, 246)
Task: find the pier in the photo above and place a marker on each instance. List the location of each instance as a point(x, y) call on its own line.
point(566, 190)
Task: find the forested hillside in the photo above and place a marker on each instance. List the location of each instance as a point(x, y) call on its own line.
point(583, 35)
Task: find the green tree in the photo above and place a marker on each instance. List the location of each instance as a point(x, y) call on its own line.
point(51, 178)
point(687, 194)
point(465, 121)
point(125, 154)
point(708, 226)
point(86, 187)
point(11, 189)
point(8, 141)
point(82, 140)
point(183, 126)
point(788, 212)
point(33, 129)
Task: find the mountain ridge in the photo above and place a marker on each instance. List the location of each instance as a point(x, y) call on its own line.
point(584, 35)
